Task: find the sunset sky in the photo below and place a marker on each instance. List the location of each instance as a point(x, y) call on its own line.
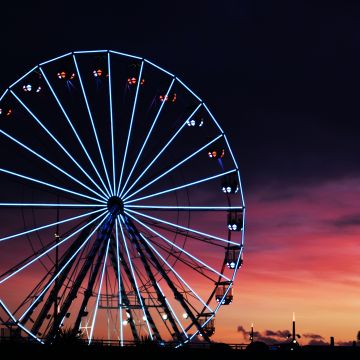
point(283, 81)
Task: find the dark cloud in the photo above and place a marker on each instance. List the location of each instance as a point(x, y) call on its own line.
point(279, 333)
point(242, 331)
point(270, 337)
point(345, 343)
point(313, 336)
point(267, 336)
point(267, 339)
point(347, 221)
point(318, 342)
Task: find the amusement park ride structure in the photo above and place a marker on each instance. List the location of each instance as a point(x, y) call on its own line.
point(146, 194)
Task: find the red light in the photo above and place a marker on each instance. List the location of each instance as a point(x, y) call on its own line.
point(132, 81)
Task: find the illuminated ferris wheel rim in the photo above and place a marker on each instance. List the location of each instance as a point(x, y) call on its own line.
point(115, 200)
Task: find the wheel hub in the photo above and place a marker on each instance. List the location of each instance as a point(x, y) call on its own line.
point(115, 205)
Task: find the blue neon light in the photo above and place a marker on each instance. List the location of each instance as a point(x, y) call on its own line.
point(130, 128)
point(92, 122)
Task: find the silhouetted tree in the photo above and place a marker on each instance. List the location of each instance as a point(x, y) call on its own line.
point(67, 337)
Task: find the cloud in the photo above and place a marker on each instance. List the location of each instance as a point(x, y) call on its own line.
point(271, 337)
point(345, 343)
point(313, 336)
point(278, 333)
point(242, 331)
point(267, 336)
point(318, 342)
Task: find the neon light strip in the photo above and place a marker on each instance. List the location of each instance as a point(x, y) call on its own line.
point(184, 228)
point(205, 208)
point(61, 270)
point(163, 149)
point(123, 54)
point(4, 93)
point(52, 205)
point(148, 135)
point(89, 51)
point(133, 274)
point(130, 128)
point(24, 76)
point(50, 185)
point(181, 187)
point(77, 137)
point(18, 324)
point(176, 273)
point(99, 293)
point(92, 121)
point(187, 88)
point(112, 124)
point(119, 284)
point(50, 249)
point(54, 59)
point(50, 134)
point(160, 68)
point(51, 163)
point(175, 166)
point(212, 116)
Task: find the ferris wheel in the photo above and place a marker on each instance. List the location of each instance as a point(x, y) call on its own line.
point(121, 207)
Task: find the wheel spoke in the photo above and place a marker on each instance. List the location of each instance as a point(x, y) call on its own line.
point(99, 292)
point(55, 205)
point(52, 136)
point(92, 122)
point(50, 185)
point(112, 125)
point(52, 247)
point(119, 285)
point(130, 127)
point(62, 269)
point(185, 208)
point(147, 137)
point(162, 150)
point(227, 242)
point(133, 275)
point(77, 137)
